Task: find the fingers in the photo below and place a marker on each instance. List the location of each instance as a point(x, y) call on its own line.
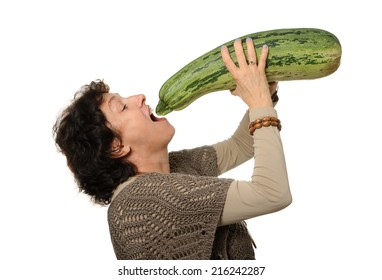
point(263, 57)
point(252, 54)
point(239, 52)
point(227, 59)
point(250, 77)
point(252, 60)
point(241, 57)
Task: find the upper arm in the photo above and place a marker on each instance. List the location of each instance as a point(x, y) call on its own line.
point(247, 200)
point(268, 189)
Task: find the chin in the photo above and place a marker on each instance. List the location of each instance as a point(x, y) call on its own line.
point(173, 132)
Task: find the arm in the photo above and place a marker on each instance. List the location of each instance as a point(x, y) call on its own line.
point(239, 147)
point(268, 191)
point(235, 150)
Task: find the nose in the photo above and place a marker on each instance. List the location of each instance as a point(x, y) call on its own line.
point(140, 99)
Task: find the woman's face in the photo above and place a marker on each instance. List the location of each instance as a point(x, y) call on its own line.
point(132, 118)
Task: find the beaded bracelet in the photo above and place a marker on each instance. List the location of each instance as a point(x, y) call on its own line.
point(266, 121)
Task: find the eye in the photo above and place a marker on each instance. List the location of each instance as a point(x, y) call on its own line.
point(124, 107)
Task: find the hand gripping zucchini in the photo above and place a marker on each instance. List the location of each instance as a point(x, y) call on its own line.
point(294, 54)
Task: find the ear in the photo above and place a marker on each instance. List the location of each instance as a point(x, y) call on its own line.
point(119, 150)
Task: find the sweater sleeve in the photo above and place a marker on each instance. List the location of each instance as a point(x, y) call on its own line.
point(216, 159)
point(235, 150)
point(268, 190)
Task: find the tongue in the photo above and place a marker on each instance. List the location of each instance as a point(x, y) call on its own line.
point(155, 119)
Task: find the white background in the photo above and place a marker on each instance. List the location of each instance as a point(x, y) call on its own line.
point(331, 128)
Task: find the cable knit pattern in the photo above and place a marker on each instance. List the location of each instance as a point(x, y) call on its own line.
point(175, 216)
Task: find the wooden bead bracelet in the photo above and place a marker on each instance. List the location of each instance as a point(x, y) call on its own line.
point(266, 121)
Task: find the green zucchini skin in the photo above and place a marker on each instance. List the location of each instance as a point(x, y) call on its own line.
point(294, 54)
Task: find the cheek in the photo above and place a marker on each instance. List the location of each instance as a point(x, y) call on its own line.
point(133, 132)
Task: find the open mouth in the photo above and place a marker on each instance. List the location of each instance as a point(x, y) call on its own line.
point(153, 117)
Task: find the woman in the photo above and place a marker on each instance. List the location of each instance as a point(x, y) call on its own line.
point(172, 205)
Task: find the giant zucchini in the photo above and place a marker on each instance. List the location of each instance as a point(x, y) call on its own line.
point(294, 54)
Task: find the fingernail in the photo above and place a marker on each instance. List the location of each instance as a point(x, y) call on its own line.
point(249, 39)
point(265, 46)
point(222, 47)
point(238, 40)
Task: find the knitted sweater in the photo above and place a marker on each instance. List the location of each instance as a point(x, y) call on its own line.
point(176, 215)
point(192, 214)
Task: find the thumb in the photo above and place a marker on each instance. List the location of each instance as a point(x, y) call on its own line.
point(234, 92)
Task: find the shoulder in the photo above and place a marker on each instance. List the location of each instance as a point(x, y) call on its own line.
point(198, 161)
point(175, 189)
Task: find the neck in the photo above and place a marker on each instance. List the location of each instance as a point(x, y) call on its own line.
point(151, 162)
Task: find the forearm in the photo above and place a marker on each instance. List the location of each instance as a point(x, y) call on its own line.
point(268, 190)
point(237, 149)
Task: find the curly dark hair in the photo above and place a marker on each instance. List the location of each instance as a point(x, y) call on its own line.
point(81, 133)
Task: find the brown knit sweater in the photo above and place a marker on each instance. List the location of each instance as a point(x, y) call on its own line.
point(176, 215)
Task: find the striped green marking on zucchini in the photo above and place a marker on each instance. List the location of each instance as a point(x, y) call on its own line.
point(294, 54)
